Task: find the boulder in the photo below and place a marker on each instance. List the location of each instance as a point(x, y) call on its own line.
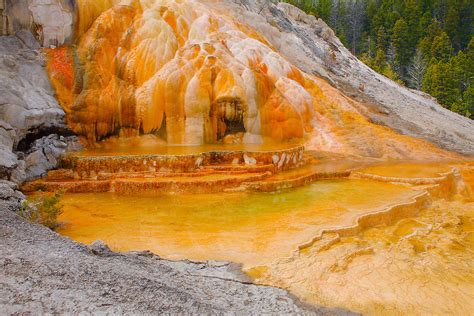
point(45, 154)
point(10, 197)
point(100, 248)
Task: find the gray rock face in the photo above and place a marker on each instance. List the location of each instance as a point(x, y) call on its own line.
point(27, 100)
point(43, 272)
point(311, 45)
point(10, 196)
point(28, 110)
point(8, 160)
point(28, 39)
point(43, 155)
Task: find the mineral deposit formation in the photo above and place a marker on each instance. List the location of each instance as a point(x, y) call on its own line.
point(191, 73)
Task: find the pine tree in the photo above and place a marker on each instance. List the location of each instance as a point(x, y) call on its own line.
point(462, 67)
point(355, 19)
point(441, 48)
point(389, 73)
point(466, 16)
point(380, 62)
point(382, 39)
point(463, 71)
point(425, 44)
point(452, 25)
point(424, 24)
point(468, 102)
point(468, 64)
point(401, 40)
point(323, 9)
point(441, 83)
point(412, 15)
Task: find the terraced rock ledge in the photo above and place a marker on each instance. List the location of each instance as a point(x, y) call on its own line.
point(206, 172)
point(185, 286)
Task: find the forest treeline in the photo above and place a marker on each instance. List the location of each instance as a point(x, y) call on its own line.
point(424, 44)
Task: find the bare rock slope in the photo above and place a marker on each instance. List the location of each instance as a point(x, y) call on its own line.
point(311, 45)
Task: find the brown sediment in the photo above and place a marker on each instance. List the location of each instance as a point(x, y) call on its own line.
point(282, 159)
point(298, 177)
point(205, 184)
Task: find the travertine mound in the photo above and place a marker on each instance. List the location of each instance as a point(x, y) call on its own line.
point(146, 66)
point(279, 34)
point(193, 73)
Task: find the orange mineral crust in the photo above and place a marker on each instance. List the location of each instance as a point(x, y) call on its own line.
point(60, 67)
point(192, 75)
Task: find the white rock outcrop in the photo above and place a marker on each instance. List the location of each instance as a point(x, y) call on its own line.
point(55, 18)
point(51, 21)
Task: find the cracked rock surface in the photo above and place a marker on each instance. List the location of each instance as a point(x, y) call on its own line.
point(42, 272)
point(27, 100)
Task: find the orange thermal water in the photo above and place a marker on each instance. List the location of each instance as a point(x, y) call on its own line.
point(364, 245)
point(249, 228)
